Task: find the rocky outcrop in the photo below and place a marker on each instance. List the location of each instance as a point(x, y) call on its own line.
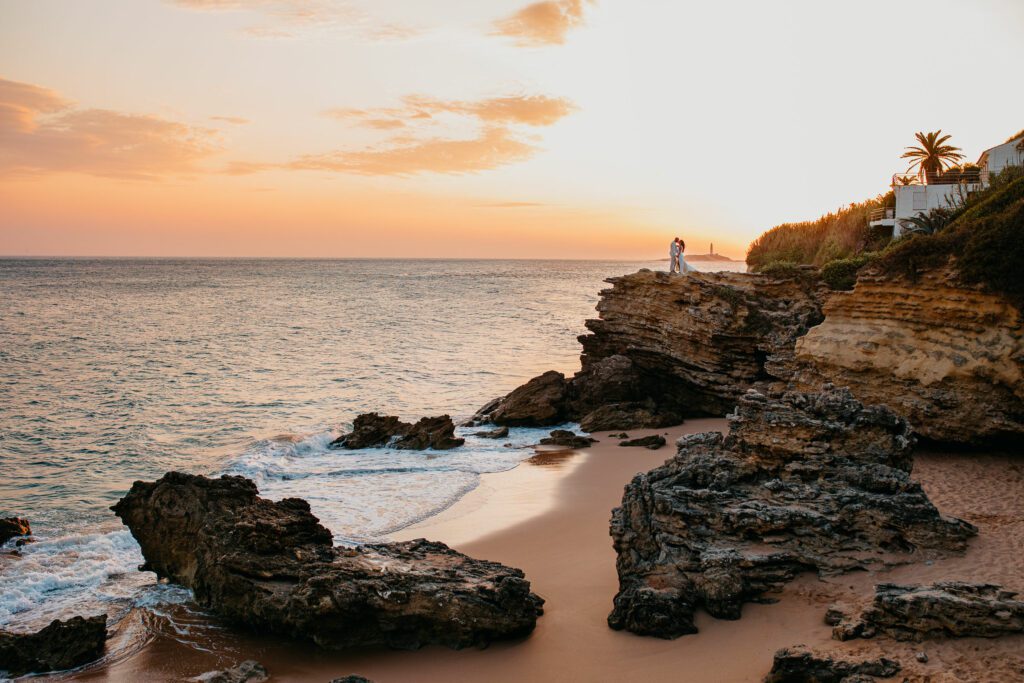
point(499, 433)
point(667, 347)
point(539, 403)
point(942, 610)
point(947, 357)
point(272, 567)
point(803, 482)
point(373, 430)
point(61, 645)
point(11, 527)
point(567, 439)
point(627, 416)
point(697, 343)
point(249, 671)
point(653, 442)
point(800, 665)
point(352, 678)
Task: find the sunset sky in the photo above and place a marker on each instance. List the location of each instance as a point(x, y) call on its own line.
point(474, 128)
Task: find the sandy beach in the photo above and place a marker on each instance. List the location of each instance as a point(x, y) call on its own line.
point(549, 516)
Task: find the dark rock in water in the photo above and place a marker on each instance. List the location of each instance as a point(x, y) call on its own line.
point(563, 437)
point(11, 527)
point(61, 645)
point(249, 671)
point(373, 430)
point(272, 567)
point(799, 665)
point(941, 610)
point(540, 402)
point(653, 442)
point(627, 416)
point(430, 432)
point(803, 482)
point(352, 678)
point(499, 433)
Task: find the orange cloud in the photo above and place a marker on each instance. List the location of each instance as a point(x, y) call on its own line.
point(236, 120)
point(42, 132)
point(292, 14)
point(492, 148)
point(530, 110)
point(542, 23)
point(412, 152)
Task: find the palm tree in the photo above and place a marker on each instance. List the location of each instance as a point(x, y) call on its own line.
point(932, 156)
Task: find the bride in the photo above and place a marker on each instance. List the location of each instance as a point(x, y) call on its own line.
point(684, 267)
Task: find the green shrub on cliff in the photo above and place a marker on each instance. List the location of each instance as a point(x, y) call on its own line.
point(842, 234)
point(841, 274)
point(986, 237)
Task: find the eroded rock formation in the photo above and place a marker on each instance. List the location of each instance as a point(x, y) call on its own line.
point(943, 610)
point(798, 664)
point(947, 357)
point(61, 645)
point(373, 430)
point(567, 439)
point(803, 482)
point(653, 442)
point(666, 347)
point(12, 527)
point(272, 567)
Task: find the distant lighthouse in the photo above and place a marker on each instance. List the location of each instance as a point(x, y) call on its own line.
point(712, 248)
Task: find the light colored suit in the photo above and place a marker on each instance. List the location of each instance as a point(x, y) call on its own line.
point(673, 257)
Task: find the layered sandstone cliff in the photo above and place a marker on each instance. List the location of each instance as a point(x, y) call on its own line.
point(666, 346)
point(949, 358)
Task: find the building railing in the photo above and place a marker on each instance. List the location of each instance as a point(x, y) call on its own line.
point(882, 214)
point(947, 178)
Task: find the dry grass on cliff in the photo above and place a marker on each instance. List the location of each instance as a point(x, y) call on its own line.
point(838, 235)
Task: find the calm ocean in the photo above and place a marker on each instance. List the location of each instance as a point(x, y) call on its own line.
point(117, 370)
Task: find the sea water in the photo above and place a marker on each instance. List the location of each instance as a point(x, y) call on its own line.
point(114, 370)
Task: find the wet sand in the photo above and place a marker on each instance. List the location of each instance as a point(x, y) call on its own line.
point(551, 520)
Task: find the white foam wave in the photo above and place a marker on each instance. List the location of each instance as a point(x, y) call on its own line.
point(77, 574)
point(362, 495)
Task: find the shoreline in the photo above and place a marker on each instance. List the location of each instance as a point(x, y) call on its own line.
point(551, 521)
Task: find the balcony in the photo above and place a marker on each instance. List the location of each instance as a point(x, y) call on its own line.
point(883, 214)
point(969, 177)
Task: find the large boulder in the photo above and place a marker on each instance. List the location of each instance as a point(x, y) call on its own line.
point(950, 609)
point(272, 567)
point(542, 401)
point(374, 430)
point(61, 645)
point(627, 416)
point(804, 482)
point(12, 527)
point(798, 664)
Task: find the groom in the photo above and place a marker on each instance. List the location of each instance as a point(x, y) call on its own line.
point(673, 256)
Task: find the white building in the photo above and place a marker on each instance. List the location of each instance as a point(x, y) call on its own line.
point(916, 195)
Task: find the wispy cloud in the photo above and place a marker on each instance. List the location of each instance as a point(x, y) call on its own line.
point(492, 148)
point(531, 110)
point(417, 147)
point(43, 132)
point(510, 205)
point(543, 23)
point(288, 17)
point(236, 120)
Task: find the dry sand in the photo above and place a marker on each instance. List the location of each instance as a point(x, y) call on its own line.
point(550, 518)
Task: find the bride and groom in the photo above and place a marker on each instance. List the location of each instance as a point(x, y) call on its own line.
point(677, 259)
